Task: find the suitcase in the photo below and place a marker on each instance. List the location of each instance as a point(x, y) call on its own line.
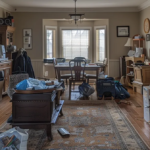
point(105, 86)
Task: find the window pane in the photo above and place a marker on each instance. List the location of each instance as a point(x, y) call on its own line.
point(75, 43)
point(49, 53)
point(101, 44)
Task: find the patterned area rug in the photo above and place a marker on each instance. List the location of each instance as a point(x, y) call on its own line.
point(95, 126)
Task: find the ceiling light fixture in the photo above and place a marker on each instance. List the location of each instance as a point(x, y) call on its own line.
point(76, 16)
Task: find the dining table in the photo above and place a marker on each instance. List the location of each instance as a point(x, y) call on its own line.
point(88, 67)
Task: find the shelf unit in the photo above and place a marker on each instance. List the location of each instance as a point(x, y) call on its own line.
point(129, 61)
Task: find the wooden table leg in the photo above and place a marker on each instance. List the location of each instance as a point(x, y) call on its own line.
point(61, 113)
point(49, 132)
point(58, 73)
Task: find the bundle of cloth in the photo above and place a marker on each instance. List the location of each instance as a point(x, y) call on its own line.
point(22, 63)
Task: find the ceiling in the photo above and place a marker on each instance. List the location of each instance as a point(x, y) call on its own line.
point(69, 4)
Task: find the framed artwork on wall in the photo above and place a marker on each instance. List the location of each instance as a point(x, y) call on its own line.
point(123, 31)
point(27, 38)
point(147, 37)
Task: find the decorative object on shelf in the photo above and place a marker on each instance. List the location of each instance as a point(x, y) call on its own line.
point(123, 31)
point(131, 53)
point(76, 16)
point(147, 37)
point(146, 25)
point(138, 52)
point(6, 21)
point(138, 37)
point(146, 62)
point(27, 38)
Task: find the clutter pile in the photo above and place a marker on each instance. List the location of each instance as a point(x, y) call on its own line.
point(14, 139)
point(35, 84)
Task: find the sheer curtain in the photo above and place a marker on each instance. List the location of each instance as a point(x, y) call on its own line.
point(75, 43)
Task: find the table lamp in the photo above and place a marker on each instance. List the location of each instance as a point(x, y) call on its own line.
point(129, 43)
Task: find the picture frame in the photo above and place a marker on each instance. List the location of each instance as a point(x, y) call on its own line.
point(27, 38)
point(27, 32)
point(147, 37)
point(123, 31)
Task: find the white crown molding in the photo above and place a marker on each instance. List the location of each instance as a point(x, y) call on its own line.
point(6, 6)
point(113, 9)
point(144, 5)
point(109, 9)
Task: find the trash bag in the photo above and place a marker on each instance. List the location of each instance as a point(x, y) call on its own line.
point(14, 138)
point(121, 92)
point(85, 89)
point(31, 83)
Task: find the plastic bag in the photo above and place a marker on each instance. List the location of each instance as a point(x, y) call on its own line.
point(14, 139)
point(31, 83)
point(121, 92)
point(85, 89)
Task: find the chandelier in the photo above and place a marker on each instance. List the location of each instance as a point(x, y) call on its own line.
point(76, 16)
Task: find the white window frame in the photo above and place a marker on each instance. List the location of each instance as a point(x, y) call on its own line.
point(54, 52)
point(95, 47)
point(77, 28)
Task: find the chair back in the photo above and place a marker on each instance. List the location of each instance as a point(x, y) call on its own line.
point(13, 81)
point(105, 61)
point(79, 58)
point(60, 60)
point(77, 68)
point(54, 64)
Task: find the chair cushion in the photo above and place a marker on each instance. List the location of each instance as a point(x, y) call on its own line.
point(90, 76)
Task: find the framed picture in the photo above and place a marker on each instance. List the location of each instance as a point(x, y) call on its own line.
point(27, 42)
point(123, 31)
point(147, 37)
point(27, 32)
point(27, 38)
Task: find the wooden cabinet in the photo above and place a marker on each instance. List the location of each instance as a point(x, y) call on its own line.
point(142, 74)
point(7, 68)
point(137, 74)
point(6, 37)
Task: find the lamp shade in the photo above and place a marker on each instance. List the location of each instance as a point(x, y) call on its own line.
point(129, 42)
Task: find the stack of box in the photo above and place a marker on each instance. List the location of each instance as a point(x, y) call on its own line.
point(146, 101)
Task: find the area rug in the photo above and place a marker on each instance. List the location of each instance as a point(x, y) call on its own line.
point(36, 138)
point(94, 126)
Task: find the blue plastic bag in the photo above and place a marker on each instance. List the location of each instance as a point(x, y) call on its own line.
point(31, 83)
point(22, 85)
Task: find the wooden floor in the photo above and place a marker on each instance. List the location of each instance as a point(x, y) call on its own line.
point(133, 112)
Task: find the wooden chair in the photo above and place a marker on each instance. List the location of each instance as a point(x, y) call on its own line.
point(80, 58)
point(77, 68)
point(93, 76)
point(63, 76)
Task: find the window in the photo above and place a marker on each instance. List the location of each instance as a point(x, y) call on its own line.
point(75, 43)
point(100, 44)
point(50, 43)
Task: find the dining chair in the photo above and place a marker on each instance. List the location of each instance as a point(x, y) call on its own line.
point(60, 60)
point(62, 76)
point(77, 68)
point(79, 58)
point(93, 76)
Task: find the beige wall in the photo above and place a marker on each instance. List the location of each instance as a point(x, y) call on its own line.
point(34, 21)
point(143, 15)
